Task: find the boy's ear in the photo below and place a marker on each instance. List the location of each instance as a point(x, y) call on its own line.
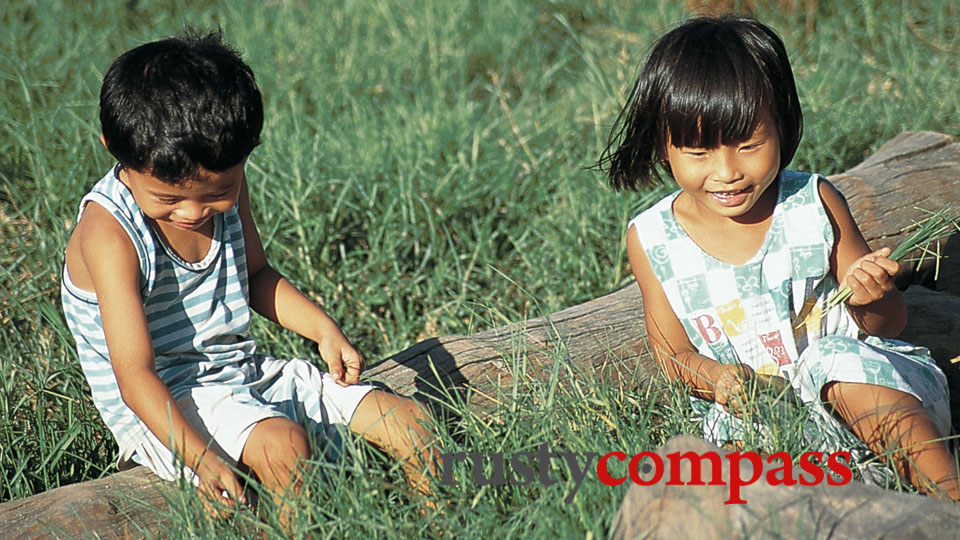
point(104, 141)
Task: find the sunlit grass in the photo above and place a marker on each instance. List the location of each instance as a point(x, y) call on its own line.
point(424, 172)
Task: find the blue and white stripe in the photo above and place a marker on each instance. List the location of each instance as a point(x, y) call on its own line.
point(197, 313)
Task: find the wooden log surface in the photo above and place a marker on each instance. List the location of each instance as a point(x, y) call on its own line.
point(122, 505)
point(604, 334)
point(854, 511)
point(911, 171)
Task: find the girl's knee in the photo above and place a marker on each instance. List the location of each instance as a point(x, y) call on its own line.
point(868, 396)
point(881, 407)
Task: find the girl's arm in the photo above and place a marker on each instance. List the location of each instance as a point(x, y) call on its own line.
point(107, 257)
point(876, 305)
point(672, 349)
point(274, 297)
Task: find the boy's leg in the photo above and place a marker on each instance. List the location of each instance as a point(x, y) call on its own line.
point(890, 420)
point(274, 452)
point(400, 426)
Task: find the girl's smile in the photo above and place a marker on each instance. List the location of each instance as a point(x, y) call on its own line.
point(731, 198)
point(730, 180)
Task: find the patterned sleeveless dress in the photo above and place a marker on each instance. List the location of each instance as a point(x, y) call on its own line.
point(747, 313)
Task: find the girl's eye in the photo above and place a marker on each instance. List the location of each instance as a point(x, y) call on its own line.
point(166, 200)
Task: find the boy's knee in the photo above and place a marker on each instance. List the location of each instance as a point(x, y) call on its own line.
point(411, 414)
point(397, 409)
point(391, 420)
point(275, 449)
point(412, 410)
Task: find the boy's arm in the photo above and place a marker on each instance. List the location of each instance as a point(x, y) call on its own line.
point(274, 297)
point(112, 264)
point(878, 308)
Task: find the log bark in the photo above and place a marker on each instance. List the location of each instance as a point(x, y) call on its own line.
point(911, 171)
point(122, 505)
point(853, 511)
point(604, 335)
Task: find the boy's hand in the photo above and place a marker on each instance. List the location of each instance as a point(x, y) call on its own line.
point(218, 485)
point(343, 361)
point(871, 277)
point(732, 385)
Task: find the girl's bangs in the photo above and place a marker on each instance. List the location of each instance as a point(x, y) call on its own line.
point(717, 103)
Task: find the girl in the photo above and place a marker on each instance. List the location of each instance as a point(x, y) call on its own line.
point(744, 249)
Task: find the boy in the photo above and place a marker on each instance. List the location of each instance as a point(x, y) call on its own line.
point(161, 271)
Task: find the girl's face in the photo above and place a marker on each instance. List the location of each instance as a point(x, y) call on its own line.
point(188, 206)
point(730, 180)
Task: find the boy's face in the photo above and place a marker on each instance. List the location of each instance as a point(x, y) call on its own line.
point(190, 205)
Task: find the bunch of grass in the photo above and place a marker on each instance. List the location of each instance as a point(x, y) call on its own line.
point(925, 238)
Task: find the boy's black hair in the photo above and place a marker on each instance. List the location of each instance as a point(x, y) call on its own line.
point(704, 84)
point(172, 106)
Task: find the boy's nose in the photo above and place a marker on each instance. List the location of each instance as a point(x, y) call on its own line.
point(191, 211)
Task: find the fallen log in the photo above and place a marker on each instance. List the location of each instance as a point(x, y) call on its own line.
point(672, 507)
point(605, 334)
point(122, 505)
point(912, 171)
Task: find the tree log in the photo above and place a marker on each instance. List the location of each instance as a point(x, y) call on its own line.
point(122, 505)
point(911, 171)
point(602, 335)
point(853, 511)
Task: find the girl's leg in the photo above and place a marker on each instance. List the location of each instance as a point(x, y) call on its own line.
point(895, 423)
point(400, 426)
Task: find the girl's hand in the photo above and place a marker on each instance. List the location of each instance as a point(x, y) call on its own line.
point(870, 277)
point(732, 385)
point(344, 363)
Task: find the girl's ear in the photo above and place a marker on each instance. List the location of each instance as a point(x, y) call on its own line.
point(103, 141)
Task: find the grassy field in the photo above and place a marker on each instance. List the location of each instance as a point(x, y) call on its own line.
point(423, 172)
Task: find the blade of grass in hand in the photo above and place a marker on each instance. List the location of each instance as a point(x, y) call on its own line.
point(937, 226)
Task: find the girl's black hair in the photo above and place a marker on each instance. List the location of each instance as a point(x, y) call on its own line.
point(173, 106)
point(704, 84)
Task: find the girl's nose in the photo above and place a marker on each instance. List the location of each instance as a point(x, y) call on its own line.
point(726, 166)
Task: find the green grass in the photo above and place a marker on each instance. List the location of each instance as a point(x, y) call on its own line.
point(422, 173)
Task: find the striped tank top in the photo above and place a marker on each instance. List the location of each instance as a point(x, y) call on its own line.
point(197, 313)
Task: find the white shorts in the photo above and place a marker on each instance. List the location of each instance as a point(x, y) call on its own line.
point(226, 413)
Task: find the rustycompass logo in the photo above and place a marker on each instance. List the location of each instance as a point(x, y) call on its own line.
point(649, 468)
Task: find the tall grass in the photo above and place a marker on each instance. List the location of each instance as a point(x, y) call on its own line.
point(422, 173)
